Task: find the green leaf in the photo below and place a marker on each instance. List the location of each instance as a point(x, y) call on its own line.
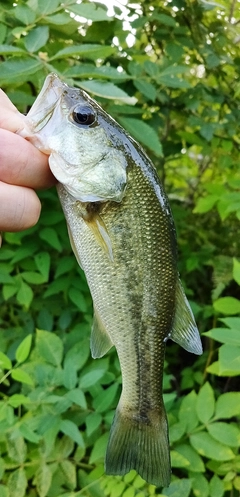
point(90, 11)
point(93, 421)
point(77, 297)
point(24, 14)
point(4, 491)
point(103, 402)
point(9, 291)
point(5, 362)
point(99, 449)
point(216, 487)
point(207, 131)
point(91, 71)
point(205, 204)
point(17, 449)
point(164, 19)
point(24, 295)
point(224, 335)
point(187, 412)
point(205, 403)
point(178, 460)
point(176, 431)
point(50, 236)
point(29, 434)
point(57, 286)
point(18, 399)
point(90, 51)
point(229, 360)
point(195, 462)
point(225, 433)
point(42, 261)
point(23, 349)
point(3, 32)
point(33, 277)
point(43, 479)
point(236, 270)
point(78, 355)
point(17, 483)
point(65, 446)
point(142, 132)
point(65, 265)
point(71, 430)
point(228, 405)
point(18, 70)
point(93, 374)
point(77, 397)
point(199, 485)
point(172, 81)
point(22, 376)
point(178, 488)
point(50, 347)
point(130, 492)
point(106, 90)
point(231, 322)
point(46, 7)
point(2, 469)
point(146, 88)
point(70, 377)
point(192, 138)
point(227, 305)
point(36, 39)
point(11, 49)
point(206, 446)
point(173, 70)
point(69, 471)
point(58, 19)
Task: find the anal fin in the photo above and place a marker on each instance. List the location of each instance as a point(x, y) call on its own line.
point(185, 331)
point(100, 342)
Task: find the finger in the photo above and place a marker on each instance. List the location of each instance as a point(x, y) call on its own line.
point(20, 207)
point(23, 164)
point(10, 117)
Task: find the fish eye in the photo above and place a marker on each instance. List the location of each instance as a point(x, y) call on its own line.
point(84, 115)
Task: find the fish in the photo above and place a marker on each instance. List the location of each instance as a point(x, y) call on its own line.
point(123, 236)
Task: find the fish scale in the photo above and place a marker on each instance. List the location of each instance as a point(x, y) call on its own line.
point(122, 233)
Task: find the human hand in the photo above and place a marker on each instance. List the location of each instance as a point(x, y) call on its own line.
point(23, 168)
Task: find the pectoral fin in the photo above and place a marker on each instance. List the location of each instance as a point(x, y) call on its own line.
point(185, 331)
point(100, 342)
point(98, 227)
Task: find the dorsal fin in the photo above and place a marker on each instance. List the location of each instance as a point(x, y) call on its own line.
point(185, 331)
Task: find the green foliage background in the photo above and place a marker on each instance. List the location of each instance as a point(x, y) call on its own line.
point(169, 73)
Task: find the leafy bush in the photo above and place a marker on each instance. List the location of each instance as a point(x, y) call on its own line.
point(166, 72)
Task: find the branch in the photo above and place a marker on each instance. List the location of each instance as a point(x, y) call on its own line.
point(232, 7)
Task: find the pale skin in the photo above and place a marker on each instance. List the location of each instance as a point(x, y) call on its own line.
point(23, 169)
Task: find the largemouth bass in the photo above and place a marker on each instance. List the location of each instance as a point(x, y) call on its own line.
point(122, 233)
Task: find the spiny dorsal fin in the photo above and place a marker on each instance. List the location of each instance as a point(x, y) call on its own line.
point(185, 331)
point(100, 342)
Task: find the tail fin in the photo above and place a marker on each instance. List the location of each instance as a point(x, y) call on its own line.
point(140, 443)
